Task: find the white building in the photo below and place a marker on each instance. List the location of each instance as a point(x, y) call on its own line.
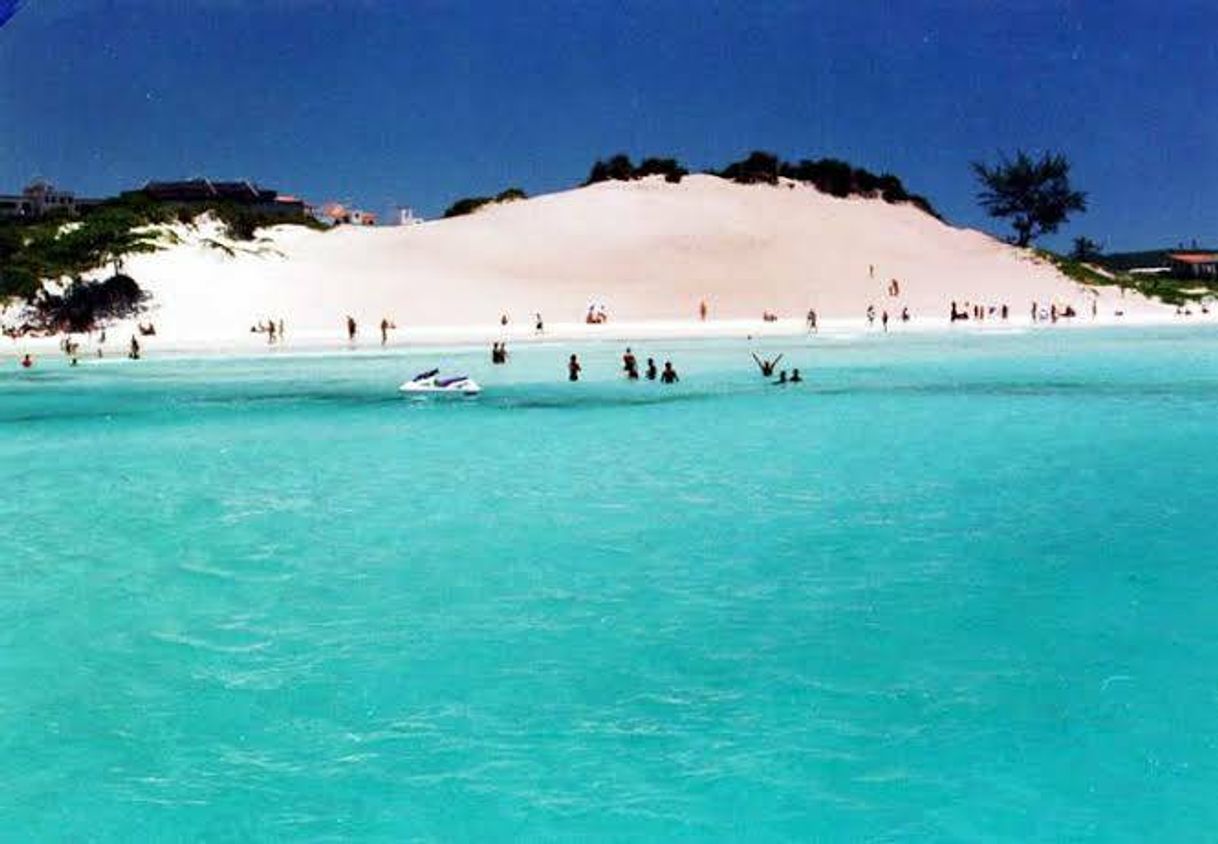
point(38, 199)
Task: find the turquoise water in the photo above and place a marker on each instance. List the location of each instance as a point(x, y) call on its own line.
point(950, 589)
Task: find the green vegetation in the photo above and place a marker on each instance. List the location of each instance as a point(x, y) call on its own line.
point(86, 305)
point(1085, 249)
point(828, 175)
point(1167, 289)
point(57, 247)
point(619, 168)
point(470, 204)
point(1035, 195)
point(44, 250)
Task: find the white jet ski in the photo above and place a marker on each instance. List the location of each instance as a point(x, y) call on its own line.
point(432, 382)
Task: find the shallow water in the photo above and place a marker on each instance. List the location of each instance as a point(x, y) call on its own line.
point(952, 588)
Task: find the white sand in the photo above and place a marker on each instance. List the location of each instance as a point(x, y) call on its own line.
point(649, 251)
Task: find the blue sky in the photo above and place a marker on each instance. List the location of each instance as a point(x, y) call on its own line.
point(421, 103)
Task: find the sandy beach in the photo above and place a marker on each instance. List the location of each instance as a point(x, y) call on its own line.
point(648, 253)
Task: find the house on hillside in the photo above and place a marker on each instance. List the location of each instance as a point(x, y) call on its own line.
point(1200, 265)
point(341, 215)
point(244, 193)
point(41, 198)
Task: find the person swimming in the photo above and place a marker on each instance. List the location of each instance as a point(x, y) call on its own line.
point(27, 361)
point(669, 376)
point(782, 377)
point(795, 378)
point(767, 366)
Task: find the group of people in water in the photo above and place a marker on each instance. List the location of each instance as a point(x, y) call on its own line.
point(768, 365)
point(630, 367)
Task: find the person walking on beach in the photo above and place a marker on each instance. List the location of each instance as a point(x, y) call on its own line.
point(281, 331)
point(702, 310)
point(384, 330)
point(669, 375)
point(1035, 315)
point(573, 369)
point(905, 314)
point(884, 319)
point(811, 320)
point(871, 314)
point(539, 326)
point(351, 328)
point(270, 332)
point(134, 354)
point(651, 369)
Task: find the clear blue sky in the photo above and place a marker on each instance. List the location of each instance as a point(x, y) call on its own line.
point(387, 101)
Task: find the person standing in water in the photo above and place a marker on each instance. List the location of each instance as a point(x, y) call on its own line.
point(384, 331)
point(134, 354)
point(630, 364)
point(27, 361)
point(652, 372)
point(669, 375)
point(351, 328)
point(573, 369)
point(795, 379)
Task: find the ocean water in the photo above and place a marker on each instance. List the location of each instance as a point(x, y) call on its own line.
point(952, 588)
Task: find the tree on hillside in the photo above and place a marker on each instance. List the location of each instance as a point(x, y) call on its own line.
point(1085, 249)
point(759, 168)
point(1035, 194)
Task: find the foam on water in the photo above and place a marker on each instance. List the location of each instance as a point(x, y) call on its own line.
point(951, 588)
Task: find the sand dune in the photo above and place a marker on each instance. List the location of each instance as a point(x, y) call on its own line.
point(650, 251)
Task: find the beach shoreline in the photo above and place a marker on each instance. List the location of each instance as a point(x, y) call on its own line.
point(409, 338)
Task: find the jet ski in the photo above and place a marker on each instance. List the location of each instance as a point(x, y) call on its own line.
point(432, 382)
